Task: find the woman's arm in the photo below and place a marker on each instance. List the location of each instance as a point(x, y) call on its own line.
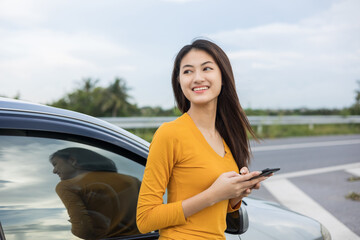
point(151, 213)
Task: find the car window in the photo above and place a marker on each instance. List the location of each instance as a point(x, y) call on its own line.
point(81, 191)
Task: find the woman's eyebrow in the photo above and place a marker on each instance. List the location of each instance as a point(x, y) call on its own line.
point(204, 63)
point(187, 65)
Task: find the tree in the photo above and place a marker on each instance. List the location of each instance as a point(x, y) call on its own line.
point(85, 99)
point(98, 101)
point(355, 108)
point(116, 100)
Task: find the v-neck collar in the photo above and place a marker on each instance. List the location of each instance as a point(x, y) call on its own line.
point(202, 139)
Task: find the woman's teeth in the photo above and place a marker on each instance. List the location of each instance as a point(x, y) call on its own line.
point(200, 88)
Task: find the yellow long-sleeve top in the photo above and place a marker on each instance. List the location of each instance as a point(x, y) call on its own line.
point(181, 160)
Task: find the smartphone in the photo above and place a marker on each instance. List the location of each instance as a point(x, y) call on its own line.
point(266, 172)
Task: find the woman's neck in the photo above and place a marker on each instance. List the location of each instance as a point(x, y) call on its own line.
point(204, 117)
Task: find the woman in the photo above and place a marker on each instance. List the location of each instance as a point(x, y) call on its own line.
point(197, 157)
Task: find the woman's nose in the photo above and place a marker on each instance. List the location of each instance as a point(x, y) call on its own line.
point(199, 77)
point(54, 170)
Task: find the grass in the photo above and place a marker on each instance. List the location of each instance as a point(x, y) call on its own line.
point(144, 133)
point(280, 131)
point(353, 196)
point(353, 179)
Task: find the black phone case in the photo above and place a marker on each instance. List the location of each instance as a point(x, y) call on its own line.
point(266, 172)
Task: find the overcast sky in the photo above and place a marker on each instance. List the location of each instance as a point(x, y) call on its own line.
point(285, 54)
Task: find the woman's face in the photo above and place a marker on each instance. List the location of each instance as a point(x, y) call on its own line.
point(64, 168)
point(200, 78)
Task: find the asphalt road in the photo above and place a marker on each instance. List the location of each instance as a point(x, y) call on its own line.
point(313, 179)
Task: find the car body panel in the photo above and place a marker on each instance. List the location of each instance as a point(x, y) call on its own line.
point(270, 220)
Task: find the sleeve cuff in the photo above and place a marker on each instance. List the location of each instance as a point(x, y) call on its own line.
point(180, 210)
point(235, 208)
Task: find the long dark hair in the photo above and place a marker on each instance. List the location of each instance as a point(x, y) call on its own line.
point(231, 121)
point(86, 159)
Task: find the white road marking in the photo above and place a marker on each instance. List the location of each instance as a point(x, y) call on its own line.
point(305, 145)
point(354, 171)
point(347, 167)
point(292, 197)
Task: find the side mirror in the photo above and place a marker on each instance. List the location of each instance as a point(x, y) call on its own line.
point(238, 221)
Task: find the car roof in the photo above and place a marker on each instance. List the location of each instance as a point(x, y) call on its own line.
point(13, 105)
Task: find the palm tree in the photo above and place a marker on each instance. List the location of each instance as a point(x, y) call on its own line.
point(89, 84)
point(117, 97)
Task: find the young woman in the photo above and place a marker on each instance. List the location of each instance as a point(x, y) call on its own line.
point(198, 156)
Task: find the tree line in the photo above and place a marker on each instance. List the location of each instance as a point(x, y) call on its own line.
point(111, 101)
point(115, 101)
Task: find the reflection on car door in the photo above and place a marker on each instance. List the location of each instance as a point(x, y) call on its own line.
point(92, 194)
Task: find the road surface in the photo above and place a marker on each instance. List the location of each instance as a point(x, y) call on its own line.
point(313, 179)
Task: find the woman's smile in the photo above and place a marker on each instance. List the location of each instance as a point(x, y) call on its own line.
point(200, 89)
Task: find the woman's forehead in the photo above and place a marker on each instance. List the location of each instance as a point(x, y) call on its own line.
point(56, 159)
point(195, 57)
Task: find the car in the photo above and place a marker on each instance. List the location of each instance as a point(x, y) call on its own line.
point(33, 207)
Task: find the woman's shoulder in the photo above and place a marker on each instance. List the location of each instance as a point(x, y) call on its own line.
point(64, 186)
point(179, 124)
point(173, 129)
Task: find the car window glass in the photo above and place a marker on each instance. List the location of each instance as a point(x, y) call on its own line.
point(33, 198)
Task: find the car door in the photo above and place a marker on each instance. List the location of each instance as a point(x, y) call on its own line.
point(33, 207)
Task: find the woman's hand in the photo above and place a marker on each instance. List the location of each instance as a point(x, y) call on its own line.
point(231, 185)
point(247, 192)
point(244, 171)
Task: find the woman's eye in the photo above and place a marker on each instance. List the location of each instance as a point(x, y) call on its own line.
point(207, 68)
point(187, 71)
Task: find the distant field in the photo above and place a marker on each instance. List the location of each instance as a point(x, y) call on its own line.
point(279, 131)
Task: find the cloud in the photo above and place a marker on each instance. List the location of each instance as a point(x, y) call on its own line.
point(35, 57)
point(266, 59)
point(25, 12)
point(50, 48)
point(319, 52)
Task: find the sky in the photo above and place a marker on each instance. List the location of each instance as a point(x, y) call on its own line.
point(285, 54)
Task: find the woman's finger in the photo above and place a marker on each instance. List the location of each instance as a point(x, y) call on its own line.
point(244, 170)
point(251, 175)
point(256, 186)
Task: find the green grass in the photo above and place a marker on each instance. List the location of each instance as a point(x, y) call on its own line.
point(280, 131)
point(353, 196)
point(353, 179)
point(146, 134)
